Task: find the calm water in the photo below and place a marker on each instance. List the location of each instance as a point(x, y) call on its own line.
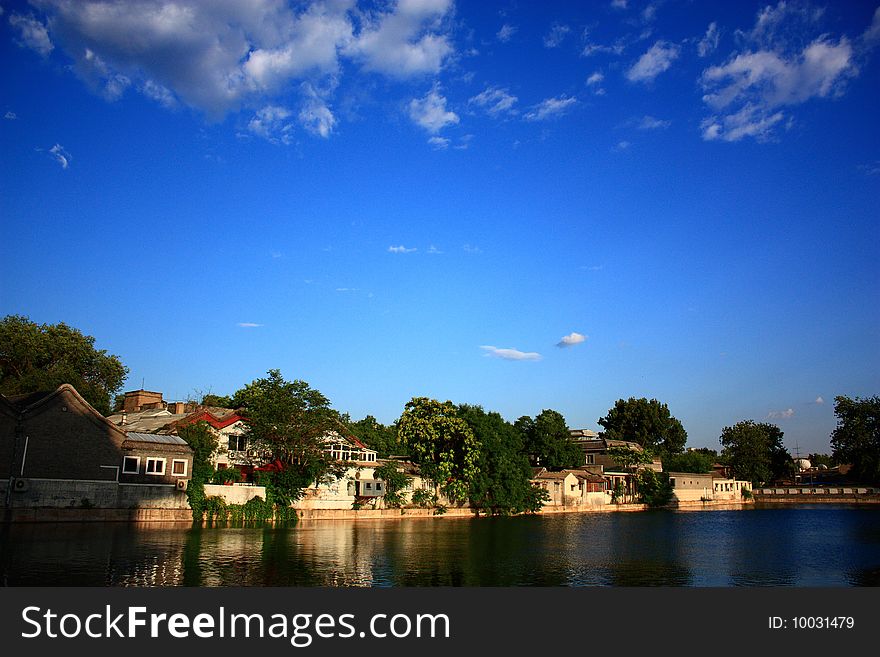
point(803, 546)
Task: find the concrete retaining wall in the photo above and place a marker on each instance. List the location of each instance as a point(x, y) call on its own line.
point(71, 493)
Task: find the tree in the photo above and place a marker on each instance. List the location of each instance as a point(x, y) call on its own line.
point(395, 480)
point(218, 401)
point(203, 441)
point(646, 422)
point(287, 422)
point(629, 458)
point(856, 439)
point(692, 461)
point(442, 444)
point(378, 436)
point(547, 441)
point(654, 489)
point(502, 484)
point(36, 357)
point(755, 451)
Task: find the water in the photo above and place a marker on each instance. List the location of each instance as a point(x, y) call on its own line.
point(791, 546)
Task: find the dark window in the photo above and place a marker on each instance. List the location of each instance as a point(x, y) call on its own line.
point(130, 464)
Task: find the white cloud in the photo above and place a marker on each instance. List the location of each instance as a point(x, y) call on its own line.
point(550, 108)
point(649, 13)
point(618, 4)
point(571, 339)
point(248, 325)
point(655, 61)
point(591, 49)
point(439, 143)
point(595, 78)
point(748, 92)
point(61, 156)
point(819, 400)
point(434, 250)
point(271, 124)
point(10, 116)
point(32, 34)
point(622, 145)
point(400, 249)
point(651, 123)
point(781, 415)
point(506, 33)
point(710, 40)
point(495, 101)
point(430, 111)
point(405, 41)
point(315, 116)
point(556, 36)
point(221, 56)
point(469, 248)
point(510, 354)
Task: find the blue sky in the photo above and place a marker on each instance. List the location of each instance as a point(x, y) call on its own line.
point(519, 205)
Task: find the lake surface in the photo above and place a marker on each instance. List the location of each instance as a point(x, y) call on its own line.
point(790, 546)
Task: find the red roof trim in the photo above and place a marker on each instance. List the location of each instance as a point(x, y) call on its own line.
point(206, 416)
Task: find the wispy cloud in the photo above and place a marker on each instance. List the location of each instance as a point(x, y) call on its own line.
point(10, 116)
point(550, 108)
point(618, 4)
point(32, 34)
point(651, 123)
point(401, 249)
point(781, 415)
point(434, 250)
point(510, 354)
point(556, 36)
point(710, 40)
point(494, 101)
point(430, 111)
point(571, 339)
point(751, 94)
point(506, 33)
point(248, 325)
point(439, 143)
point(655, 61)
point(872, 169)
point(470, 248)
point(271, 124)
point(819, 400)
point(61, 156)
point(594, 82)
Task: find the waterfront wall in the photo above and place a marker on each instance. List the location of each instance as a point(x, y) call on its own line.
point(95, 515)
point(235, 494)
point(818, 495)
point(85, 494)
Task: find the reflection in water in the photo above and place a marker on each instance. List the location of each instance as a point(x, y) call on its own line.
point(818, 546)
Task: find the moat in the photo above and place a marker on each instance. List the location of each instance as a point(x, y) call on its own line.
point(790, 546)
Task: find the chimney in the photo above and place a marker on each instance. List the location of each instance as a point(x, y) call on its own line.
point(124, 418)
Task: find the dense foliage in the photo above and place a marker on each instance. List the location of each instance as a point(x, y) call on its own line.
point(396, 481)
point(36, 357)
point(204, 444)
point(654, 488)
point(755, 451)
point(501, 484)
point(547, 441)
point(286, 423)
point(442, 444)
point(856, 439)
point(692, 461)
point(646, 422)
point(378, 436)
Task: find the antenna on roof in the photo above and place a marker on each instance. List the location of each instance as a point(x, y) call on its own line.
point(142, 383)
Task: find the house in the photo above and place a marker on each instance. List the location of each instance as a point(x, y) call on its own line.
point(56, 450)
point(571, 488)
point(596, 448)
point(356, 484)
point(704, 487)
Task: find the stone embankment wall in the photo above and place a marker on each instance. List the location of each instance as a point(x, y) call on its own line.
point(72, 493)
point(818, 495)
point(235, 494)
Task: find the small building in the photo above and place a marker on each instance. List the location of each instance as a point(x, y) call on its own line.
point(571, 488)
point(704, 487)
point(56, 450)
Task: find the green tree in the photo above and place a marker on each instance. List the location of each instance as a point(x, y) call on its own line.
point(502, 484)
point(395, 480)
point(654, 488)
point(204, 445)
point(755, 451)
point(218, 401)
point(692, 461)
point(378, 436)
point(821, 459)
point(646, 422)
point(629, 458)
point(442, 444)
point(36, 357)
point(287, 422)
point(856, 439)
point(547, 442)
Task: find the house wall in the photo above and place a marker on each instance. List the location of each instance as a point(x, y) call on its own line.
point(7, 444)
point(235, 494)
point(68, 493)
point(143, 451)
point(69, 444)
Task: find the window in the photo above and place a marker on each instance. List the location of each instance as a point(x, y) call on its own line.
point(178, 467)
point(131, 464)
point(237, 443)
point(591, 459)
point(155, 466)
point(378, 486)
point(369, 486)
